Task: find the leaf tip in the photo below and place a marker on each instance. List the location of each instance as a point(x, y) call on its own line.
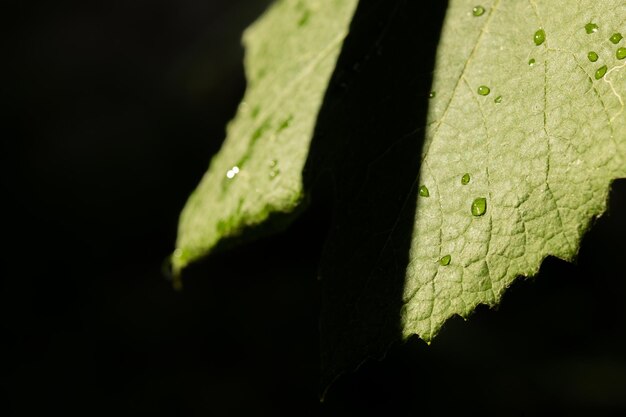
point(176, 262)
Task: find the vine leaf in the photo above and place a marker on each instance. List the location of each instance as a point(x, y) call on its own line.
point(257, 175)
point(540, 131)
point(523, 135)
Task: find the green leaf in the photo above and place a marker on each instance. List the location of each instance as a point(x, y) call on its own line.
point(541, 158)
point(257, 175)
point(517, 107)
point(440, 203)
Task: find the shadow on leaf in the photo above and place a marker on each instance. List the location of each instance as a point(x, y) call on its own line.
point(367, 149)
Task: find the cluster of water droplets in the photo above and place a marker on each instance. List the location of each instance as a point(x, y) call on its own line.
point(274, 170)
point(478, 208)
point(620, 53)
point(479, 205)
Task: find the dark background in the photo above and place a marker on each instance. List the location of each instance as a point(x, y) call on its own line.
point(113, 113)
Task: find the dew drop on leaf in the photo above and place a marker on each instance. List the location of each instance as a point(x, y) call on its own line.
point(616, 37)
point(274, 173)
point(483, 90)
point(432, 94)
point(539, 37)
point(591, 28)
point(274, 170)
point(479, 206)
point(601, 72)
point(531, 61)
point(621, 53)
point(465, 179)
point(478, 11)
point(424, 191)
point(445, 261)
point(592, 56)
point(498, 100)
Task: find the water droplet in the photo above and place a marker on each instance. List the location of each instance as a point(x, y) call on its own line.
point(531, 61)
point(479, 206)
point(498, 100)
point(432, 94)
point(478, 11)
point(539, 37)
point(591, 28)
point(465, 179)
point(445, 261)
point(621, 53)
point(230, 174)
point(483, 90)
point(592, 56)
point(274, 173)
point(424, 191)
point(616, 37)
point(601, 72)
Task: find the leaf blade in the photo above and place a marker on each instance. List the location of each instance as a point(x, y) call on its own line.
point(544, 154)
point(290, 55)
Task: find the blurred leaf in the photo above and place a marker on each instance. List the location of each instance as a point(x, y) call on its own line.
point(257, 175)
